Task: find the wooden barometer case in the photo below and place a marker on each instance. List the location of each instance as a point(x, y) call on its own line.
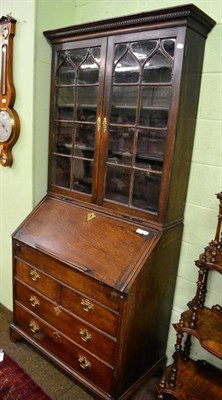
point(9, 120)
point(95, 263)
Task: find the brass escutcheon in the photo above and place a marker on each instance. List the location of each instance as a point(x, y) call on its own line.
point(57, 311)
point(34, 301)
point(83, 362)
point(90, 216)
point(98, 123)
point(56, 335)
point(34, 275)
point(86, 305)
point(104, 125)
point(34, 326)
point(85, 335)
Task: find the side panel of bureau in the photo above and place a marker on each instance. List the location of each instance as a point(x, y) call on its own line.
point(146, 314)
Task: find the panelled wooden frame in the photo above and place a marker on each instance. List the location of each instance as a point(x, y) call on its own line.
point(95, 263)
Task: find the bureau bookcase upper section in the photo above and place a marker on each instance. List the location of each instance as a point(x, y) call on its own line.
point(124, 97)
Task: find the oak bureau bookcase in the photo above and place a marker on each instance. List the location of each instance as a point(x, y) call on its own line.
point(95, 263)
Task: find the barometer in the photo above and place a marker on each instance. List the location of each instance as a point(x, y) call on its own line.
point(9, 120)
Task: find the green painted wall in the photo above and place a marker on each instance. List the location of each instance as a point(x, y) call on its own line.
point(24, 184)
point(16, 182)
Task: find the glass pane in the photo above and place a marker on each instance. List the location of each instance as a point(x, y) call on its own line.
point(82, 176)
point(169, 46)
point(158, 68)
point(88, 71)
point(146, 191)
point(123, 105)
point(127, 69)
point(143, 49)
point(120, 49)
point(77, 56)
point(87, 98)
point(125, 116)
point(150, 164)
point(85, 141)
point(124, 96)
point(66, 73)
point(61, 171)
point(151, 144)
point(65, 96)
point(120, 147)
point(96, 51)
point(65, 103)
point(154, 96)
point(117, 184)
point(63, 138)
point(153, 118)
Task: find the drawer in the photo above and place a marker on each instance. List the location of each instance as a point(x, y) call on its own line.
point(73, 327)
point(36, 279)
point(67, 274)
point(89, 310)
point(82, 362)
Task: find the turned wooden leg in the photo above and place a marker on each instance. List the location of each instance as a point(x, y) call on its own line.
point(199, 297)
point(204, 289)
point(161, 386)
point(178, 348)
point(187, 346)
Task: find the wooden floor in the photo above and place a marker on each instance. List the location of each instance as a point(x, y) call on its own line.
point(54, 382)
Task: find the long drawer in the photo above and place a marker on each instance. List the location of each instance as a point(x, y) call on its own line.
point(69, 275)
point(77, 329)
point(76, 357)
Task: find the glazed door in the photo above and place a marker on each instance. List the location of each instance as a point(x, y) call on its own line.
point(77, 89)
point(113, 119)
point(139, 96)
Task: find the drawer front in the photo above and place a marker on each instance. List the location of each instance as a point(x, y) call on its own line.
point(36, 279)
point(90, 311)
point(76, 329)
point(77, 358)
point(69, 275)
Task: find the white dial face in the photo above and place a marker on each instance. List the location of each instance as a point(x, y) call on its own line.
point(5, 126)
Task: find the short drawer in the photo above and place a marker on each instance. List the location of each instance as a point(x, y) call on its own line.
point(36, 279)
point(89, 310)
point(77, 358)
point(69, 275)
point(73, 327)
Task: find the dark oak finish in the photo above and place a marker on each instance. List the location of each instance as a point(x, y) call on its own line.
point(185, 379)
point(95, 263)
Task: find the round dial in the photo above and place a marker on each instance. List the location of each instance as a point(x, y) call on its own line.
point(6, 125)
